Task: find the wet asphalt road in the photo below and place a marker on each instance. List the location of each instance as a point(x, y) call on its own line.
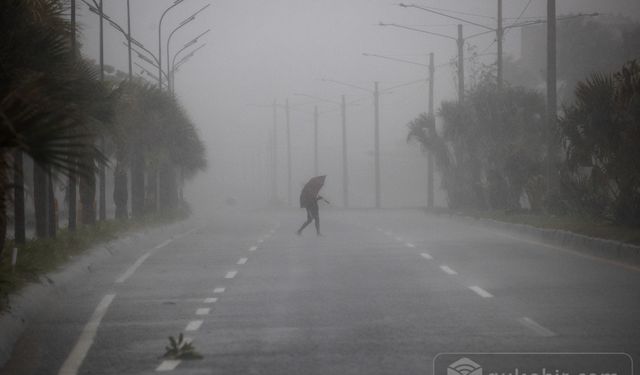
point(382, 292)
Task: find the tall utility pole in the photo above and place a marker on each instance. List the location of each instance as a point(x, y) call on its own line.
point(73, 182)
point(102, 173)
point(289, 200)
point(552, 104)
point(376, 104)
point(129, 38)
point(499, 39)
point(460, 65)
point(274, 155)
point(431, 116)
point(315, 141)
point(345, 172)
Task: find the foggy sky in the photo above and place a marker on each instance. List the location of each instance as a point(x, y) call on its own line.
point(264, 50)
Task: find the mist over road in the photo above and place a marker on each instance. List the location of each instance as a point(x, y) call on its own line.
point(382, 292)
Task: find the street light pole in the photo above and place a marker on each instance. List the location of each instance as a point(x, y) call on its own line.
point(376, 103)
point(274, 154)
point(552, 104)
point(289, 174)
point(430, 193)
point(499, 39)
point(129, 39)
point(460, 42)
point(315, 140)
point(102, 172)
point(345, 174)
point(175, 3)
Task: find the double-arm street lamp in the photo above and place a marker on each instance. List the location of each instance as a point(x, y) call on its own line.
point(176, 66)
point(175, 3)
point(171, 64)
point(185, 22)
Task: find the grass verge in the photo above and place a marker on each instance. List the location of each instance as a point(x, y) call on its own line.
point(575, 224)
point(39, 257)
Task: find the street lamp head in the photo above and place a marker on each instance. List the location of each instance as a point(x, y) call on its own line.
point(177, 2)
point(403, 5)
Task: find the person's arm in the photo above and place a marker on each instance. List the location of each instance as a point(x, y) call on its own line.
point(322, 198)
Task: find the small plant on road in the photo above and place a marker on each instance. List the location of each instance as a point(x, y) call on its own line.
point(180, 349)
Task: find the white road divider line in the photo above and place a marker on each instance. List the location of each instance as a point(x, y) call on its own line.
point(426, 256)
point(163, 244)
point(210, 300)
point(399, 239)
point(448, 270)
point(193, 325)
point(203, 311)
point(408, 244)
point(260, 240)
point(535, 327)
point(253, 248)
point(73, 362)
point(231, 274)
point(219, 290)
point(481, 292)
point(242, 261)
point(168, 365)
point(133, 268)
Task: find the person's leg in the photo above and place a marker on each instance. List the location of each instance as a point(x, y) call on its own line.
point(309, 219)
point(315, 212)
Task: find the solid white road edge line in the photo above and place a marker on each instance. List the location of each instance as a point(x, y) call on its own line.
point(73, 362)
point(168, 365)
point(426, 256)
point(535, 327)
point(448, 270)
point(133, 268)
point(242, 261)
point(231, 274)
point(481, 292)
point(193, 325)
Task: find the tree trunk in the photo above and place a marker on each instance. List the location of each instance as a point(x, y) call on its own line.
point(137, 183)
point(87, 191)
point(120, 193)
point(3, 203)
point(72, 193)
point(152, 190)
point(40, 200)
point(52, 207)
point(168, 188)
point(18, 199)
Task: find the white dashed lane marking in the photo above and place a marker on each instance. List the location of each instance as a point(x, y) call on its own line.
point(448, 270)
point(210, 300)
point(481, 292)
point(168, 365)
point(242, 261)
point(203, 311)
point(253, 248)
point(426, 256)
point(193, 325)
point(409, 245)
point(231, 274)
point(219, 290)
point(535, 327)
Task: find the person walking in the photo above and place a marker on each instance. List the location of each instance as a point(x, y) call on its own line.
point(309, 200)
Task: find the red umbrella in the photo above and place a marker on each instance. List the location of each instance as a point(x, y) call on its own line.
point(310, 190)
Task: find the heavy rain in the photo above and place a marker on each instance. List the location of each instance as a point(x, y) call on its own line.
point(320, 187)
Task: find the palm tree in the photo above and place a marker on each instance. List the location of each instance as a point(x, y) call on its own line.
point(41, 93)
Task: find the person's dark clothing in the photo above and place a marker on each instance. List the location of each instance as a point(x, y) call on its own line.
point(313, 214)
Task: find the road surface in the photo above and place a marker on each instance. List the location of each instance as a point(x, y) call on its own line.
point(382, 292)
